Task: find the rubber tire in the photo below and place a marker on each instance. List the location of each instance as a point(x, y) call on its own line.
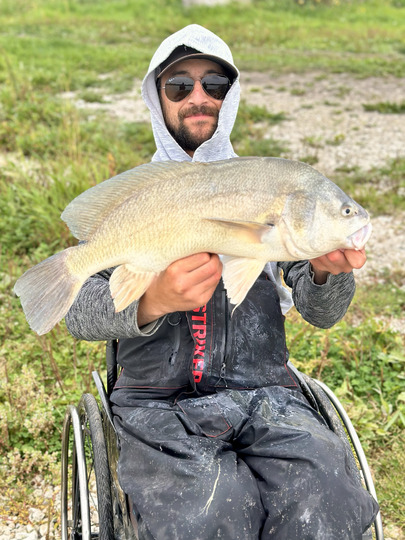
point(96, 467)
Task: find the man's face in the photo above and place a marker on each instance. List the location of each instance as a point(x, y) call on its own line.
point(194, 119)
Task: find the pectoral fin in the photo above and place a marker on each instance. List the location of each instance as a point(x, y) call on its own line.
point(239, 275)
point(250, 230)
point(127, 284)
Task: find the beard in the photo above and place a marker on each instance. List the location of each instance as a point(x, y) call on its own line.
point(186, 139)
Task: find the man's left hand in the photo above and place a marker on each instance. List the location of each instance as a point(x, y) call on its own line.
point(337, 262)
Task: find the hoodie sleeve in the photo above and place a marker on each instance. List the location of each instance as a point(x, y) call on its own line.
point(92, 316)
point(320, 305)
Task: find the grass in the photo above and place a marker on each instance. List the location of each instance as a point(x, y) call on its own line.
point(248, 135)
point(381, 190)
point(386, 107)
point(50, 152)
point(72, 42)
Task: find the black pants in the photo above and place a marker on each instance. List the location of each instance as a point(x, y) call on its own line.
point(238, 465)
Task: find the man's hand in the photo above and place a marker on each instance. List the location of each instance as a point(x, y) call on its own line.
point(336, 262)
point(186, 284)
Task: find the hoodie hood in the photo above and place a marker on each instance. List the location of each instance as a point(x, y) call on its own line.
point(219, 146)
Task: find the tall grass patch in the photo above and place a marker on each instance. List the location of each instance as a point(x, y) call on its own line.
point(71, 42)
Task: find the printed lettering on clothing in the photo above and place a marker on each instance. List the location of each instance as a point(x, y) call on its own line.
point(199, 328)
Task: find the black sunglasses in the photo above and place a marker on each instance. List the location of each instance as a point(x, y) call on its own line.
point(215, 85)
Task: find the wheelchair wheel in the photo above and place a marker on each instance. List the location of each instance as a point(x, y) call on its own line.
point(86, 488)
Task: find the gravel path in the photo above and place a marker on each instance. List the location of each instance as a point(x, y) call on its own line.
point(326, 119)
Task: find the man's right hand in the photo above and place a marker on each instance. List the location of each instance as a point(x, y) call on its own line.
point(185, 285)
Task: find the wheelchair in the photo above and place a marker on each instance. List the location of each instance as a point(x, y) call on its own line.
point(93, 505)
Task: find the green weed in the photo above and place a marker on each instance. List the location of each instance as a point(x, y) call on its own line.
point(91, 96)
point(336, 140)
point(310, 159)
point(298, 92)
point(250, 126)
point(385, 460)
point(313, 141)
point(366, 187)
point(386, 107)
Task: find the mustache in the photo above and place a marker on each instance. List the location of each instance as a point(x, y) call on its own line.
point(203, 109)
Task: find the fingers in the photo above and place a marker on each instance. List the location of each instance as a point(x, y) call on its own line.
point(194, 270)
point(192, 281)
point(191, 263)
point(355, 258)
point(195, 279)
point(186, 284)
point(345, 260)
point(339, 261)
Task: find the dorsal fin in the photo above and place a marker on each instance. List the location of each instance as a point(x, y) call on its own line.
point(85, 213)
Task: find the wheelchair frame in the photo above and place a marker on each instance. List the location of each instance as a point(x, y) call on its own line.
point(93, 505)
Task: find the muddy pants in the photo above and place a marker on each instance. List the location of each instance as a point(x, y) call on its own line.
point(238, 465)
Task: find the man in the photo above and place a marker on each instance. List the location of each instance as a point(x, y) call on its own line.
point(217, 439)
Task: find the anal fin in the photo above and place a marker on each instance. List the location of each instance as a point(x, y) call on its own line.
point(127, 284)
point(238, 275)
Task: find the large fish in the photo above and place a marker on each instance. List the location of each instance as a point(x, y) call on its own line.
point(252, 210)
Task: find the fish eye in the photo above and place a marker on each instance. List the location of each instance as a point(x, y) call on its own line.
point(348, 210)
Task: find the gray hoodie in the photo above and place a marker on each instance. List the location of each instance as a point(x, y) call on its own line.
point(93, 317)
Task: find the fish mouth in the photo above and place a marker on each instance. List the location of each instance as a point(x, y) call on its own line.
point(358, 239)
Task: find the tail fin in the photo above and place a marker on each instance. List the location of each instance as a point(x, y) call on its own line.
point(47, 291)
